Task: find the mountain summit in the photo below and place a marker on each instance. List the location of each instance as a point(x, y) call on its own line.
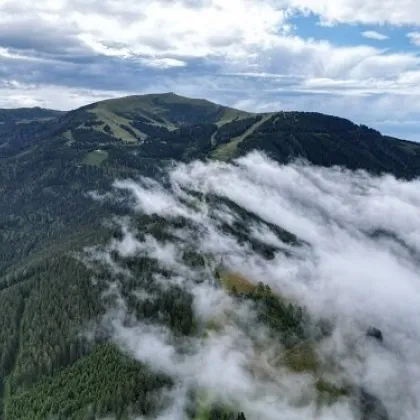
point(125, 117)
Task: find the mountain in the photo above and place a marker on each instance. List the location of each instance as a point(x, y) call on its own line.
point(27, 115)
point(168, 126)
point(51, 161)
point(134, 118)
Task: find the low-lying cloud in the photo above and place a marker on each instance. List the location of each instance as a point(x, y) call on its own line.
point(355, 263)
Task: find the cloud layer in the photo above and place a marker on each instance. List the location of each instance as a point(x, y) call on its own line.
point(357, 267)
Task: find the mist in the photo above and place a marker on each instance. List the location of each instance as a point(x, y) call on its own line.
point(354, 261)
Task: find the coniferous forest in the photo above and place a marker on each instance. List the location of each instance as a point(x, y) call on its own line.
point(56, 359)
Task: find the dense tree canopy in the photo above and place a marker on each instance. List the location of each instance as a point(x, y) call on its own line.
point(50, 161)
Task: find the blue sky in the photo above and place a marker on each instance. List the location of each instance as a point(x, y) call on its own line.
point(352, 58)
point(393, 38)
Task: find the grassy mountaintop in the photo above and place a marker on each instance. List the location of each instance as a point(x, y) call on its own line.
point(132, 118)
point(171, 109)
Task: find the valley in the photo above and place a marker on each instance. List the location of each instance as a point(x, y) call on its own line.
point(73, 252)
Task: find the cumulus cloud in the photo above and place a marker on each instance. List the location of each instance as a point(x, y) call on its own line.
point(375, 35)
point(356, 265)
point(240, 33)
point(17, 94)
point(159, 27)
point(395, 12)
point(223, 51)
point(414, 38)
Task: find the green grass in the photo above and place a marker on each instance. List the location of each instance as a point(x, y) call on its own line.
point(330, 393)
point(234, 281)
point(69, 136)
point(158, 110)
point(228, 150)
point(161, 104)
point(95, 158)
point(231, 114)
point(299, 359)
point(203, 407)
point(302, 358)
point(115, 121)
point(145, 104)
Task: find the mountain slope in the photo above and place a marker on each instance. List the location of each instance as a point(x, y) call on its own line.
point(170, 109)
point(49, 162)
point(325, 140)
point(25, 115)
point(47, 167)
point(134, 118)
point(168, 126)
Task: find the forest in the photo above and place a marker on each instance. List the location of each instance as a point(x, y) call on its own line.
point(50, 165)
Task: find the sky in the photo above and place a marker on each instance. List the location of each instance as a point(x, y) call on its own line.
point(348, 221)
point(354, 58)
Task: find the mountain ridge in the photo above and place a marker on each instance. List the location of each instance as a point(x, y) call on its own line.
point(79, 151)
point(137, 118)
point(147, 101)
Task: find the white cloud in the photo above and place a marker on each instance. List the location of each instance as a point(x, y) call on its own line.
point(375, 35)
point(16, 94)
point(335, 211)
point(235, 44)
point(157, 27)
point(370, 101)
point(395, 12)
point(131, 21)
point(249, 34)
point(163, 63)
point(414, 38)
